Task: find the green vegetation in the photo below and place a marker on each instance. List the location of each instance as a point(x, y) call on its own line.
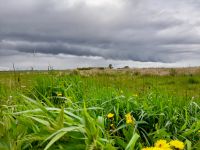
point(117, 110)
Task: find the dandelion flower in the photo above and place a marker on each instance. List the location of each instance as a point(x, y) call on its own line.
point(157, 148)
point(135, 95)
point(162, 144)
point(148, 148)
point(152, 148)
point(59, 94)
point(110, 115)
point(177, 144)
point(129, 118)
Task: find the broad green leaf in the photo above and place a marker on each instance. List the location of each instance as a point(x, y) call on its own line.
point(44, 122)
point(54, 139)
point(132, 142)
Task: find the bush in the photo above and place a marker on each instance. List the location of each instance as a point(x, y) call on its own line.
point(172, 72)
point(193, 81)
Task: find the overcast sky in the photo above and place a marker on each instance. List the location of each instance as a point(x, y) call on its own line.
point(78, 33)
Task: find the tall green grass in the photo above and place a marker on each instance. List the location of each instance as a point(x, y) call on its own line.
point(70, 111)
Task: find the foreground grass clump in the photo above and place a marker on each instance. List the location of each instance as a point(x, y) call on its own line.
point(118, 111)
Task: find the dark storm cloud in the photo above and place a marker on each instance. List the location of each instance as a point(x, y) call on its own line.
point(139, 30)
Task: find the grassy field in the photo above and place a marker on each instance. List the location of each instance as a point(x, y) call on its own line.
point(100, 109)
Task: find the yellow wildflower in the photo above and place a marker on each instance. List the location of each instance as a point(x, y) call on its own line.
point(59, 94)
point(110, 115)
point(135, 95)
point(157, 148)
point(152, 148)
point(147, 148)
point(129, 118)
point(162, 144)
point(177, 144)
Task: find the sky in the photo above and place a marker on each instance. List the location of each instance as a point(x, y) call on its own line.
point(67, 34)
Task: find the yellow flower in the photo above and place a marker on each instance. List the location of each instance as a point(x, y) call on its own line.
point(135, 95)
point(110, 115)
point(162, 144)
point(129, 118)
point(177, 144)
point(147, 148)
point(152, 148)
point(59, 94)
point(157, 148)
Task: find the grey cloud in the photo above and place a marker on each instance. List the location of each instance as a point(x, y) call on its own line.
point(138, 30)
point(123, 51)
point(62, 61)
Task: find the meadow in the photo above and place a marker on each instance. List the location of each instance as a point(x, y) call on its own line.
point(100, 109)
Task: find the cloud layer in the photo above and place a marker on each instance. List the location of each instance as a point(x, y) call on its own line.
point(121, 30)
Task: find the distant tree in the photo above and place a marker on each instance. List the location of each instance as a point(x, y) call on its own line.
point(126, 67)
point(172, 72)
point(50, 68)
point(110, 66)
